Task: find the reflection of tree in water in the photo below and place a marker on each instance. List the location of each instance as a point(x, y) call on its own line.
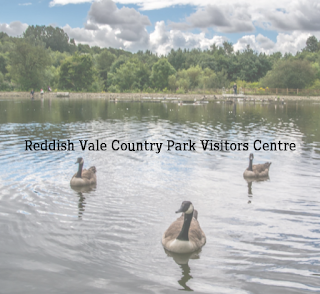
point(182, 260)
point(82, 191)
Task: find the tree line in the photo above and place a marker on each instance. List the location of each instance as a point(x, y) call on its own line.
point(45, 56)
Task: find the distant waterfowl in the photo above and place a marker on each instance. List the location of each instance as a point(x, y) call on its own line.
point(184, 235)
point(256, 170)
point(84, 177)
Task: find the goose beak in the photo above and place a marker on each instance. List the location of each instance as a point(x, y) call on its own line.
point(180, 209)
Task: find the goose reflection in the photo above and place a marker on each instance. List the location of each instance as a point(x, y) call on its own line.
point(250, 181)
point(185, 277)
point(82, 191)
point(183, 261)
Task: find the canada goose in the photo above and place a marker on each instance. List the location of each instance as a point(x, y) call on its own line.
point(184, 235)
point(257, 170)
point(84, 177)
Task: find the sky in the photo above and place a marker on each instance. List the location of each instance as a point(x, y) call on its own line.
point(266, 25)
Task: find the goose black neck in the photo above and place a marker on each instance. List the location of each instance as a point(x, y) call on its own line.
point(79, 170)
point(250, 164)
point(184, 233)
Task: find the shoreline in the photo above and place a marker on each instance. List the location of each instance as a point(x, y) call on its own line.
point(158, 96)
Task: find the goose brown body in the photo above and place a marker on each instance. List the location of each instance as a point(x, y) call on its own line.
point(173, 240)
point(256, 170)
point(84, 177)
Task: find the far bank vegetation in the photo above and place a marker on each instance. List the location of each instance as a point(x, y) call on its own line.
point(46, 56)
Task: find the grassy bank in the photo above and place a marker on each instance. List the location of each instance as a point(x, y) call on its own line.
point(160, 96)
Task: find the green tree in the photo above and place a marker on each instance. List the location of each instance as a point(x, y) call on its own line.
point(161, 70)
point(83, 48)
point(184, 84)
point(214, 48)
point(207, 79)
point(289, 74)
point(252, 66)
point(177, 59)
point(28, 64)
point(194, 75)
point(312, 44)
point(227, 47)
point(147, 58)
point(207, 61)
point(104, 62)
point(132, 75)
point(3, 35)
point(172, 83)
point(221, 79)
point(275, 57)
point(77, 73)
point(3, 64)
point(5, 85)
point(57, 57)
point(118, 62)
point(54, 38)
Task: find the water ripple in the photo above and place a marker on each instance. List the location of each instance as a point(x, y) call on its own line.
point(261, 237)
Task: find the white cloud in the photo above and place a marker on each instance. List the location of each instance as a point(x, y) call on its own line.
point(130, 24)
point(222, 18)
point(125, 28)
point(163, 40)
point(104, 37)
point(156, 4)
point(301, 15)
point(235, 16)
point(286, 42)
point(109, 26)
point(65, 2)
point(265, 43)
point(232, 16)
point(292, 42)
point(14, 29)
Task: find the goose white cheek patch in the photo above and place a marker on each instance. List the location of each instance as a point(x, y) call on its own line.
point(190, 209)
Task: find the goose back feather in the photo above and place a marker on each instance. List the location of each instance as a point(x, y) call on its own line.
point(84, 177)
point(256, 170)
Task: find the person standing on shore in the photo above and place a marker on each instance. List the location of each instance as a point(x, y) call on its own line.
point(235, 88)
point(32, 94)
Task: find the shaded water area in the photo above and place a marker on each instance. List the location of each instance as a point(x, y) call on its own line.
point(262, 237)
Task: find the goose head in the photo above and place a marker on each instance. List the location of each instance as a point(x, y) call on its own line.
point(251, 156)
point(186, 207)
point(79, 160)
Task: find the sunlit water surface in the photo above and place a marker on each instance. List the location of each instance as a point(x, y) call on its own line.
point(262, 237)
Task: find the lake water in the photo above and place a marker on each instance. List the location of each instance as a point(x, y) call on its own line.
point(262, 237)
